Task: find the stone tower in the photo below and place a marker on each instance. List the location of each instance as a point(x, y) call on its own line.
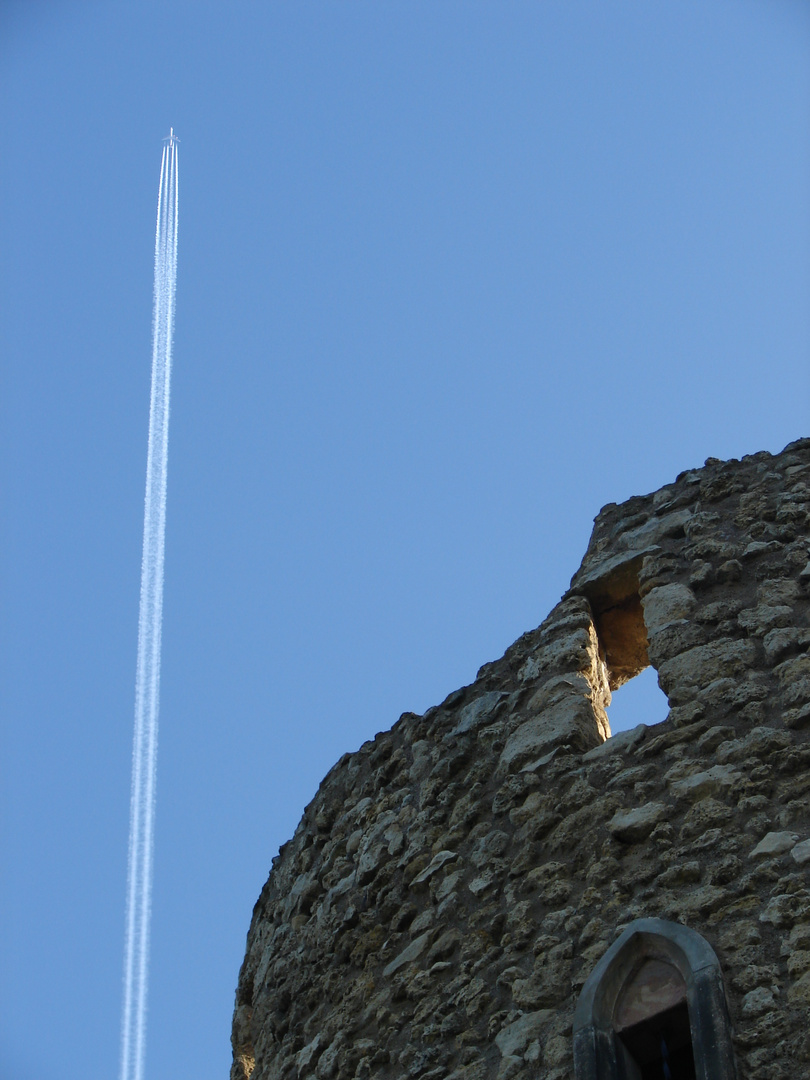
point(499, 889)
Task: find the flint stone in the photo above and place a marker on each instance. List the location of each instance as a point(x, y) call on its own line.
point(623, 565)
point(759, 547)
point(515, 1037)
point(354, 841)
point(480, 885)
point(449, 885)
point(509, 1067)
point(328, 1063)
point(422, 760)
point(369, 862)
point(760, 742)
point(531, 807)
point(796, 718)
point(445, 945)
point(786, 909)
point(656, 529)
point(798, 963)
point(778, 643)
point(778, 591)
point(801, 852)
point(570, 651)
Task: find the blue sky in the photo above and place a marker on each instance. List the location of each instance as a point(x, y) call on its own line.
point(451, 277)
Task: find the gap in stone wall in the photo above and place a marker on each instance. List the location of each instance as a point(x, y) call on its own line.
point(638, 701)
point(618, 614)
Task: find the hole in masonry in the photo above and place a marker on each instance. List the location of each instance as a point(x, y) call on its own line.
point(618, 613)
point(619, 622)
point(638, 701)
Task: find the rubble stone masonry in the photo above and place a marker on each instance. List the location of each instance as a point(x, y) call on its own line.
point(456, 880)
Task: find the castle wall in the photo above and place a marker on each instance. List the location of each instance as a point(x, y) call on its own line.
point(454, 882)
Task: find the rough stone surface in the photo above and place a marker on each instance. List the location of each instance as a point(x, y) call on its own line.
point(455, 880)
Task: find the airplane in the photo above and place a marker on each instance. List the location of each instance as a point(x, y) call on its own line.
point(171, 138)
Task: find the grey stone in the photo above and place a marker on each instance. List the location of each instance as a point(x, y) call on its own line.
point(630, 826)
point(569, 720)
point(515, 1037)
point(774, 843)
point(684, 675)
point(700, 784)
point(666, 604)
point(621, 742)
point(759, 620)
point(758, 1001)
point(409, 954)
point(477, 712)
point(436, 863)
point(480, 884)
point(779, 591)
point(305, 1057)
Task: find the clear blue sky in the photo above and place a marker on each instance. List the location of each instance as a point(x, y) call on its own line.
point(451, 277)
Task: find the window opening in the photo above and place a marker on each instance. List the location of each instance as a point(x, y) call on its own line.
point(638, 701)
point(618, 617)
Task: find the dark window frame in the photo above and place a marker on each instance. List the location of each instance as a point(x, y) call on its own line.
point(595, 1048)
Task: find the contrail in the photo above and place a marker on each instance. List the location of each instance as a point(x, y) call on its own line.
point(147, 681)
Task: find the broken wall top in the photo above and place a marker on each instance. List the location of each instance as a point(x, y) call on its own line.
point(454, 881)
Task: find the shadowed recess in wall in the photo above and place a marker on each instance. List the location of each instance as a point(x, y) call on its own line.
point(636, 697)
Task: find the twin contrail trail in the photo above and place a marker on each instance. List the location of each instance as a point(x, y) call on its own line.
point(147, 681)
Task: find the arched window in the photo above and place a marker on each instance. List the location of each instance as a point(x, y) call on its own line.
point(654, 1007)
